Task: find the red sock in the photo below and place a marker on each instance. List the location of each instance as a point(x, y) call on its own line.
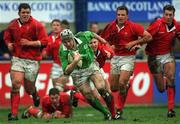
point(121, 101)
point(78, 95)
point(33, 111)
point(122, 98)
point(111, 107)
point(15, 99)
point(171, 95)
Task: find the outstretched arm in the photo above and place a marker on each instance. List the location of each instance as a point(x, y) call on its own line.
point(99, 38)
point(143, 40)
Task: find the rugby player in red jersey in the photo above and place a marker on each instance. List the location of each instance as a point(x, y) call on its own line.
point(159, 50)
point(119, 33)
point(55, 105)
point(102, 53)
point(25, 37)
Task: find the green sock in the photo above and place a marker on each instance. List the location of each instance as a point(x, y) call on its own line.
point(95, 103)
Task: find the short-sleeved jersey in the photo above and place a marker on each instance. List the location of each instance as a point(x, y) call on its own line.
point(162, 37)
point(101, 55)
point(120, 37)
point(82, 40)
point(52, 48)
point(32, 31)
point(64, 105)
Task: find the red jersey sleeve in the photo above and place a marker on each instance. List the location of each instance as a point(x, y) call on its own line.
point(66, 108)
point(104, 48)
point(138, 29)
point(49, 49)
point(110, 33)
point(107, 48)
point(45, 102)
point(154, 27)
point(7, 34)
point(105, 32)
point(41, 34)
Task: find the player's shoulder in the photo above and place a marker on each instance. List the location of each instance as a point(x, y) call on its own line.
point(156, 22)
point(36, 22)
point(110, 25)
point(133, 24)
point(45, 98)
point(13, 22)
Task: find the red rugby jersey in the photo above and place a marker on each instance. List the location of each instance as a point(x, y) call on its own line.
point(53, 48)
point(31, 30)
point(64, 104)
point(120, 37)
point(101, 55)
point(162, 37)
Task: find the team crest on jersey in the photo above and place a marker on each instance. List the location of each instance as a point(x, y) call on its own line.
point(85, 46)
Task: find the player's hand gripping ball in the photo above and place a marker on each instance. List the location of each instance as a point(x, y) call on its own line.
point(71, 58)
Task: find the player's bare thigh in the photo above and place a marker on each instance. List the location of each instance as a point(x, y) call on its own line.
point(169, 70)
point(85, 89)
point(114, 81)
point(98, 80)
point(121, 70)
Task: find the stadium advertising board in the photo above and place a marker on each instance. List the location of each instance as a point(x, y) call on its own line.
point(139, 10)
point(140, 92)
point(42, 10)
point(43, 84)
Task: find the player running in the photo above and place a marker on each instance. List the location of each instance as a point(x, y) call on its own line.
point(82, 67)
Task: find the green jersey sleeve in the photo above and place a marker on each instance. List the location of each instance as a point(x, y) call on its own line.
point(85, 36)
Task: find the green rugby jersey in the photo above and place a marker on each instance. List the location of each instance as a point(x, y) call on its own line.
point(82, 39)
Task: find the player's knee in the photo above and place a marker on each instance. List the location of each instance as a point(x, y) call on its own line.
point(16, 86)
point(161, 90)
point(100, 84)
point(170, 76)
point(30, 90)
point(123, 89)
point(114, 88)
point(15, 90)
point(171, 84)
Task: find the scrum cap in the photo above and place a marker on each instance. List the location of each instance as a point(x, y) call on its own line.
point(67, 34)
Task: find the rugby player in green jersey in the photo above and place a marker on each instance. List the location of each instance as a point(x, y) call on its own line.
point(81, 66)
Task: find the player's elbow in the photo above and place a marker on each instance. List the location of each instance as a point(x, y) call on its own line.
point(66, 72)
point(149, 38)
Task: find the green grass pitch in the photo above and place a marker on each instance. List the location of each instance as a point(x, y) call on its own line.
point(88, 115)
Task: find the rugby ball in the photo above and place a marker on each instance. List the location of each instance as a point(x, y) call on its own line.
point(71, 58)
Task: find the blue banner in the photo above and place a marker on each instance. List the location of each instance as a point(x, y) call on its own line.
point(139, 10)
